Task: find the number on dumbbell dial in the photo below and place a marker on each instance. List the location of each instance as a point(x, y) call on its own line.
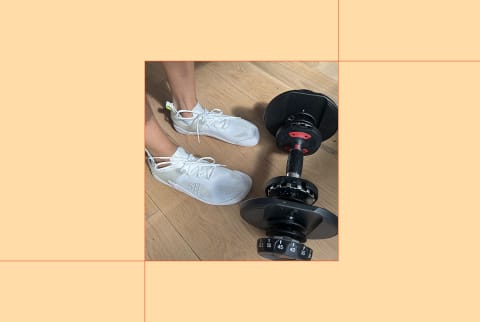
point(293, 248)
point(279, 245)
point(269, 243)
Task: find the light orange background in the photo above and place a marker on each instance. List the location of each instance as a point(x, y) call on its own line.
point(74, 292)
point(409, 30)
point(71, 176)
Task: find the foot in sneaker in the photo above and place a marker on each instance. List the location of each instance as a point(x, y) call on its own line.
point(214, 123)
point(200, 178)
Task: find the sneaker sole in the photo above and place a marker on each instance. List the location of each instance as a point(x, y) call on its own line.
point(182, 131)
point(181, 189)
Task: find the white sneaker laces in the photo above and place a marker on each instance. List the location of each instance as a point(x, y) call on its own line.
point(202, 167)
point(214, 118)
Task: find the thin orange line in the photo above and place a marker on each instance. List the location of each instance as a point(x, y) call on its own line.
point(144, 291)
point(71, 260)
point(338, 31)
point(408, 61)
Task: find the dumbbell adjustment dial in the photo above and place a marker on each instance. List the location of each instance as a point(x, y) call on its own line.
point(281, 248)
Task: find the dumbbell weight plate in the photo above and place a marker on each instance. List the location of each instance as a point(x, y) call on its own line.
point(320, 106)
point(319, 223)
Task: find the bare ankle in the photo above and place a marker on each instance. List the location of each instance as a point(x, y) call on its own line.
point(163, 151)
point(185, 104)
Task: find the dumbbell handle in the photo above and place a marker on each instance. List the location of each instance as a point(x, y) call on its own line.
point(295, 162)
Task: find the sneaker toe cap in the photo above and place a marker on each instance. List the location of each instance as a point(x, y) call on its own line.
point(249, 135)
point(232, 188)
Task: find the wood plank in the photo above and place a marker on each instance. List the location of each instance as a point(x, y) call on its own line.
point(215, 232)
point(164, 242)
point(328, 68)
point(150, 207)
point(297, 75)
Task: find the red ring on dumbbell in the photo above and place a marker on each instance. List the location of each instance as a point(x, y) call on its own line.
point(301, 135)
point(288, 148)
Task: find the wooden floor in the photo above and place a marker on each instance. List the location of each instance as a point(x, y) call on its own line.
point(179, 227)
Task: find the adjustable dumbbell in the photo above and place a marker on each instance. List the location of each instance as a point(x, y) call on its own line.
point(299, 120)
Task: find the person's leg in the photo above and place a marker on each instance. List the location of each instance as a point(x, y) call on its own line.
point(155, 139)
point(181, 80)
point(200, 178)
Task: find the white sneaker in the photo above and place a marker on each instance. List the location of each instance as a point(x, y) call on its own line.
point(200, 178)
point(214, 123)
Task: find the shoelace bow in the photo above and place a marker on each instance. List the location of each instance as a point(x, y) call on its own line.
point(190, 166)
point(212, 117)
